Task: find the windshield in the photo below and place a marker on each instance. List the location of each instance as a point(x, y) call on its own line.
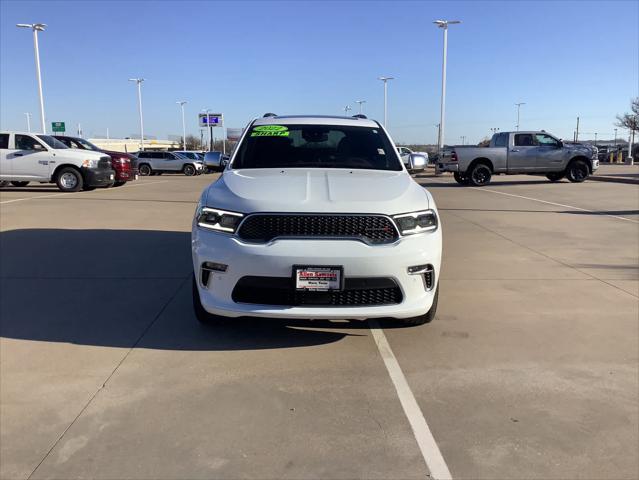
point(316, 146)
point(86, 144)
point(52, 142)
point(191, 155)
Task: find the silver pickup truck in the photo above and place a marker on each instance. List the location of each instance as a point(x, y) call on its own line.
point(535, 153)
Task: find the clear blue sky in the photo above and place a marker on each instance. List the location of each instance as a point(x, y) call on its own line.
point(245, 58)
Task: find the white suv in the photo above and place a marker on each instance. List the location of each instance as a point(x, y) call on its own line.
point(316, 217)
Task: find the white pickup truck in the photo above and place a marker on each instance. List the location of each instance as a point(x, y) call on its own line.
point(28, 157)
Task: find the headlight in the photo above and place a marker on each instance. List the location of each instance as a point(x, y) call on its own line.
point(219, 220)
point(90, 163)
point(416, 222)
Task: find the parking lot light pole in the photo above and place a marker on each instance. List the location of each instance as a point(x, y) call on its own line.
point(443, 24)
point(518, 107)
point(360, 105)
point(385, 80)
point(29, 121)
point(181, 104)
point(37, 27)
point(139, 81)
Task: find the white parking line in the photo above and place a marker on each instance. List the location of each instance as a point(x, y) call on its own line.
point(64, 193)
point(425, 440)
point(482, 189)
point(603, 214)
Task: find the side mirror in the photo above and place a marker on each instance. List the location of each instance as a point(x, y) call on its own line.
point(417, 161)
point(225, 162)
point(560, 144)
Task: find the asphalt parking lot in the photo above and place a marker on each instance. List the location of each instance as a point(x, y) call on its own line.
point(530, 369)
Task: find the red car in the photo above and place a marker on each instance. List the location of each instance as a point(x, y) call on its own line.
point(124, 164)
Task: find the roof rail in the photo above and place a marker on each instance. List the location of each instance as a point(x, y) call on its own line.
point(266, 115)
point(360, 115)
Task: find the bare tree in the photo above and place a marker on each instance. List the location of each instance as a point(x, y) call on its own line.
point(630, 120)
point(192, 142)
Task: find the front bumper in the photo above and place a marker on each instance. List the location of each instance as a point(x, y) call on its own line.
point(276, 259)
point(447, 167)
point(94, 177)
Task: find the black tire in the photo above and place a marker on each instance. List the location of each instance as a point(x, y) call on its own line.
point(555, 176)
point(145, 170)
point(19, 184)
point(577, 171)
point(461, 179)
point(202, 315)
point(480, 175)
point(118, 184)
point(427, 317)
point(189, 170)
point(69, 180)
point(88, 189)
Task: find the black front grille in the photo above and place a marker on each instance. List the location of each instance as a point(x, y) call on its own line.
point(104, 162)
point(374, 229)
point(281, 291)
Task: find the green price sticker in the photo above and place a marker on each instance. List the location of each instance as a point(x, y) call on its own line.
point(270, 131)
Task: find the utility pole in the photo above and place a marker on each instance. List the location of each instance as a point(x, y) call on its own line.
point(37, 27)
point(181, 104)
point(438, 135)
point(360, 105)
point(615, 138)
point(443, 24)
point(518, 108)
point(463, 139)
point(139, 81)
point(595, 139)
point(385, 80)
point(28, 121)
point(577, 131)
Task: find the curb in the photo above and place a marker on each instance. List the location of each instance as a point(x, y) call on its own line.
point(604, 178)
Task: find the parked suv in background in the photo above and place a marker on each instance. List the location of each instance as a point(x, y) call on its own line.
point(26, 157)
point(151, 163)
point(316, 217)
point(124, 164)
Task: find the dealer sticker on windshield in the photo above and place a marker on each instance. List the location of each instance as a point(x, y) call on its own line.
point(319, 279)
point(270, 131)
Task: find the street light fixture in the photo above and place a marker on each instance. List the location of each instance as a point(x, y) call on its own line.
point(181, 104)
point(385, 80)
point(28, 121)
point(139, 81)
point(37, 27)
point(518, 107)
point(443, 24)
point(360, 104)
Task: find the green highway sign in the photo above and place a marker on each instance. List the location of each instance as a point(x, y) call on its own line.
point(58, 127)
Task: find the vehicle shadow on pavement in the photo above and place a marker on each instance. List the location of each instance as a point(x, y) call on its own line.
point(125, 288)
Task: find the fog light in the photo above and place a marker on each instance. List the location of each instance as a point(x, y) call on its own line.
point(418, 269)
point(207, 268)
point(216, 267)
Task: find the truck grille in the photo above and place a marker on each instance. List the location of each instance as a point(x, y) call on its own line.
point(104, 162)
point(373, 229)
point(358, 292)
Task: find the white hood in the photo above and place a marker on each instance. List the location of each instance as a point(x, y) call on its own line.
point(316, 190)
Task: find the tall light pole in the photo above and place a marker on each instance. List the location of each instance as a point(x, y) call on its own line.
point(139, 81)
point(37, 27)
point(463, 139)
point(518, 107)
point(615, 138)
point(385, 80)
point(360, 105)
point(437, 141)
point(181, 104)
point(443, 24)
point(29, 121)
